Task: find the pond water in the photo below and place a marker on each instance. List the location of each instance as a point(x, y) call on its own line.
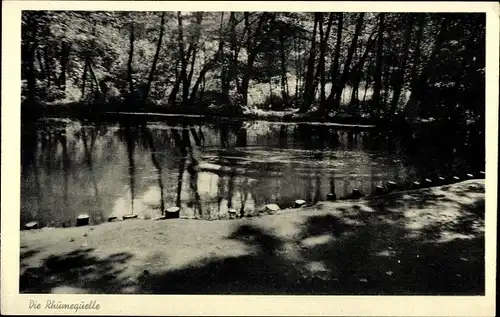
point(104, 169)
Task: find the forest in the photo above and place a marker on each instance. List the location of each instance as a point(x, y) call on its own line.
point(323, 65)
point(243, 152)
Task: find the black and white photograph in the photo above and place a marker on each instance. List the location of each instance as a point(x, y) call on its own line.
point(257, 152)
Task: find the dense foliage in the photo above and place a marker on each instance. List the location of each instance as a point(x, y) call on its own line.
point(359, 64)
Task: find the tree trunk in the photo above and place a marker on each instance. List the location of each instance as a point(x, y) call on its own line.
point(378, 66)
point(87, 65)
point(155, 59)
point(309, 92)
point(358, 69)
point(252, 49)
point(321, 59)
point(335, 65)
point(284, 80)
point(91, 99)
point(400, 73)
point(235, 49)
point(320, 72)
point(194, 47)
point(40, 64)
point(367, 79)
point(412, 108)
point(183, 58)
point(297, 66)
point(203, 81)
point(48, 68)
point(468, 60)
point(270, 78)
point(175, 89)
point(190, 54)
point(30, 61)
point(208, 66)
point(65, 51)
point(233, 59)
point(246, 78)
point(347, 64)
point(224, 84)
point(387, 84)
point(417, 49)
point(130, 58)
point(94, 77)
point(84, 77)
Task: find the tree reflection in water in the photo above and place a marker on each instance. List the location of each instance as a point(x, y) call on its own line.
point(208, 168)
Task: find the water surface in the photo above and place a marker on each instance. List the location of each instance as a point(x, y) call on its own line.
point(70, 167)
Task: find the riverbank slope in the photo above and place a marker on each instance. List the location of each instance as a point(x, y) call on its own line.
point(427, 241)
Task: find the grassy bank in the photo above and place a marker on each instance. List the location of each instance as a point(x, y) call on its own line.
point(110, 110)
point(117, 112)
point(427, 241)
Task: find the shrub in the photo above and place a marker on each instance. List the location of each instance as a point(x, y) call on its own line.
point(275, 103)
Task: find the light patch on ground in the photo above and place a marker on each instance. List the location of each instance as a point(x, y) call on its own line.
point(386, 253)
point(447, 236)
point(68, 290)
point(301, 239)
point(353, 222)
point(318, 240)
point(318, 269)
point(364, 208)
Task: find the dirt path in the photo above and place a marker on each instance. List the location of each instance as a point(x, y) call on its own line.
point(428, 241)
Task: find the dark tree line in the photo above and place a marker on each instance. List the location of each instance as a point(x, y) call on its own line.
point(361, 64)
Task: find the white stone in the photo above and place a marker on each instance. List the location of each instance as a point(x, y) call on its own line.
point(300, 202)
point(172, 209)
point(172, 212)
point(131, 216)
point(32, 224)
point(82, 220)
point(272, 207)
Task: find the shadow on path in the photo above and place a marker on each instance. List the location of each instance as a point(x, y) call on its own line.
point(77, 270)
point(375, 247)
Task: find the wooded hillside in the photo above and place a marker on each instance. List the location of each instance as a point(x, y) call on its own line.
point(329, 63)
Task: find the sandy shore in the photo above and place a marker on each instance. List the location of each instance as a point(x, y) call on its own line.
point(428, 241)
